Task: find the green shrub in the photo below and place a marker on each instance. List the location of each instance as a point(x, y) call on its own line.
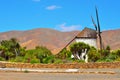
point(64, 54)
point(79, 61)
point(29, 54)
point(2, 59)
point(104, 60)
point(58, 61)
point(93, 55)
point(105, 53)
point(118, 59)
point(108, 48)
point(41, 53)
point(69, 60)
point(112, 56)
point(49, 59)
point(34, 60)
point(108, 60)
point(118, 53)
point(18, 59)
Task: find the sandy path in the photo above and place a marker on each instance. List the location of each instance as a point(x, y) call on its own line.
point(56, 76)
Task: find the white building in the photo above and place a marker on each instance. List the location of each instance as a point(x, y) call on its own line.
point(87, 36)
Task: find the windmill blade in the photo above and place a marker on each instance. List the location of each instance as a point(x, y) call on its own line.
point(98, 21)
point(99, 33)
point(94, 23)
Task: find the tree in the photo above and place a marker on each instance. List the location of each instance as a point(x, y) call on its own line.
point(3, 51)
point(108, 48)
point(10, 46)
point(30, 54)
point(42, 52)
point(93, 55)
point(15, 45)
point(78, 48)
point(64, 54)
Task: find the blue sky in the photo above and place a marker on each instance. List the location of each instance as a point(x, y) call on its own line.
point(63, 15)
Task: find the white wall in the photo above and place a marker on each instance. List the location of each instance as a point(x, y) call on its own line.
point(91, 42)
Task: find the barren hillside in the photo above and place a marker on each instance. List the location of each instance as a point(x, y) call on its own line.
point(55, 40)
point(52, 39)
point(112, 38)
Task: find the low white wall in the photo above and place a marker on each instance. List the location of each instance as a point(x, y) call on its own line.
point(91, 42)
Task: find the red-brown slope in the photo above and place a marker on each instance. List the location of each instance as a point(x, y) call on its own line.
point(112, 38)
point(52, 39)
point(56, 40)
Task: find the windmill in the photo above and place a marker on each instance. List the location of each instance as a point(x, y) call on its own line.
point(97, 27)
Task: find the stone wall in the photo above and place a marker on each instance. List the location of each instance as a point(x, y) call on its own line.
point(75, 65)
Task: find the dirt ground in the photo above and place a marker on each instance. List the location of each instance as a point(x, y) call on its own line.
point(56, 76)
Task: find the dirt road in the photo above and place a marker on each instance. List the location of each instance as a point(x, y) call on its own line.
point(57, 76)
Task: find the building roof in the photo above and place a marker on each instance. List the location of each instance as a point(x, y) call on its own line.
point(87, 33)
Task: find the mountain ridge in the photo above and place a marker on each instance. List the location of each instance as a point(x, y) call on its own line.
point(56, 40)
